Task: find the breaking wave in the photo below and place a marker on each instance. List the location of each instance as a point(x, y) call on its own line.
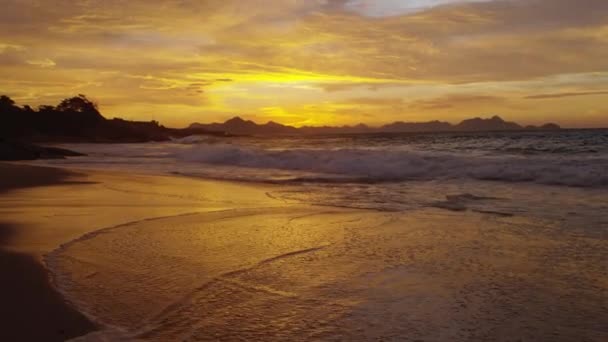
point(370, 165)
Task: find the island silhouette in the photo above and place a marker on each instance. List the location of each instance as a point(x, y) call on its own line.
point(239, 126)
point(78, 119)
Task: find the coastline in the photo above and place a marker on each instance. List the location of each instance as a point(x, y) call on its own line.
point(31, 308)
point(45, 207)
point(193, 252)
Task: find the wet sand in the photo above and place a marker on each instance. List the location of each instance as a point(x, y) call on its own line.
point(170, 258)
point(304, 273)
point(31, 309)
point(42, 208)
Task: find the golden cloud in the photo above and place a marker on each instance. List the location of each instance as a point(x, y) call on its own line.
point(227, 57)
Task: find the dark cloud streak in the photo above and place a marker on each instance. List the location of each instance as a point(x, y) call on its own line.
point(560, 95)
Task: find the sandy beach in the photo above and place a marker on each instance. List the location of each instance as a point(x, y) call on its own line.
point(32, 309)
point(123, 256)
point(43, 207)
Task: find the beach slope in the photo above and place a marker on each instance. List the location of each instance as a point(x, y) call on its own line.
point(173, 258)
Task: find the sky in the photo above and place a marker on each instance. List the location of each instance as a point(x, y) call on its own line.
point(312, 62)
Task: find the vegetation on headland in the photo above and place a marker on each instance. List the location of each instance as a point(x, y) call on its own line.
point(78, 119)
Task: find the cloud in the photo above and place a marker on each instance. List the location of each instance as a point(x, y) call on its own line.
point(381, 8)
point(203, 54)
point(10, 47)
point(43, 63)
point(560, 95)
point(455, 100)
point(376, 101)
point(370, 86)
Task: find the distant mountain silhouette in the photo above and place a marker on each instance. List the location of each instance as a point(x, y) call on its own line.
point(495, 123)
point(77, 119)
point(239, 126)
point(545, 127)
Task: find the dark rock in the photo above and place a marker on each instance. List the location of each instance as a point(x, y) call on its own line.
point(21, 151)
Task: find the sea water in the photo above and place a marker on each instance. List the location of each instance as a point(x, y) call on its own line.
point(451, 236)
point(557, 174)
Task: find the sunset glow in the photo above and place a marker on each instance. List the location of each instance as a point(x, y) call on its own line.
point(304, 62)
point(304, 170)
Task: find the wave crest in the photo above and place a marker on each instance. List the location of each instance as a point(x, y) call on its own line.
point(393, 165)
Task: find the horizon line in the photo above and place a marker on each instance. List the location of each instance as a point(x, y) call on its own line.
point(368, 125)
point(377, 126)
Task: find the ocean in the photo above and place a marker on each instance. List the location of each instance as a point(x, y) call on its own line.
point(561, 175)
point(435, 237)
point(565, 158)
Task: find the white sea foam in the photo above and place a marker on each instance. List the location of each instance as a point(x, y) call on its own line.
point(382, 165)
point(567, 159)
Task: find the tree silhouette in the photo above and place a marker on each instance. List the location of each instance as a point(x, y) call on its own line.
point(76, 119)
point(6, 103)
point(78, 104)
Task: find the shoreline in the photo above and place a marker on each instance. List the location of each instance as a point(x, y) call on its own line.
point(28, 233)
point(191, 252)
point(32, 308)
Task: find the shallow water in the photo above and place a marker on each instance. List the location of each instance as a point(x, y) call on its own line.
point(309, 274)
point(456, 237)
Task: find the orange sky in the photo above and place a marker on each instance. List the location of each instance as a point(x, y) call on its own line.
point(312, 62)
